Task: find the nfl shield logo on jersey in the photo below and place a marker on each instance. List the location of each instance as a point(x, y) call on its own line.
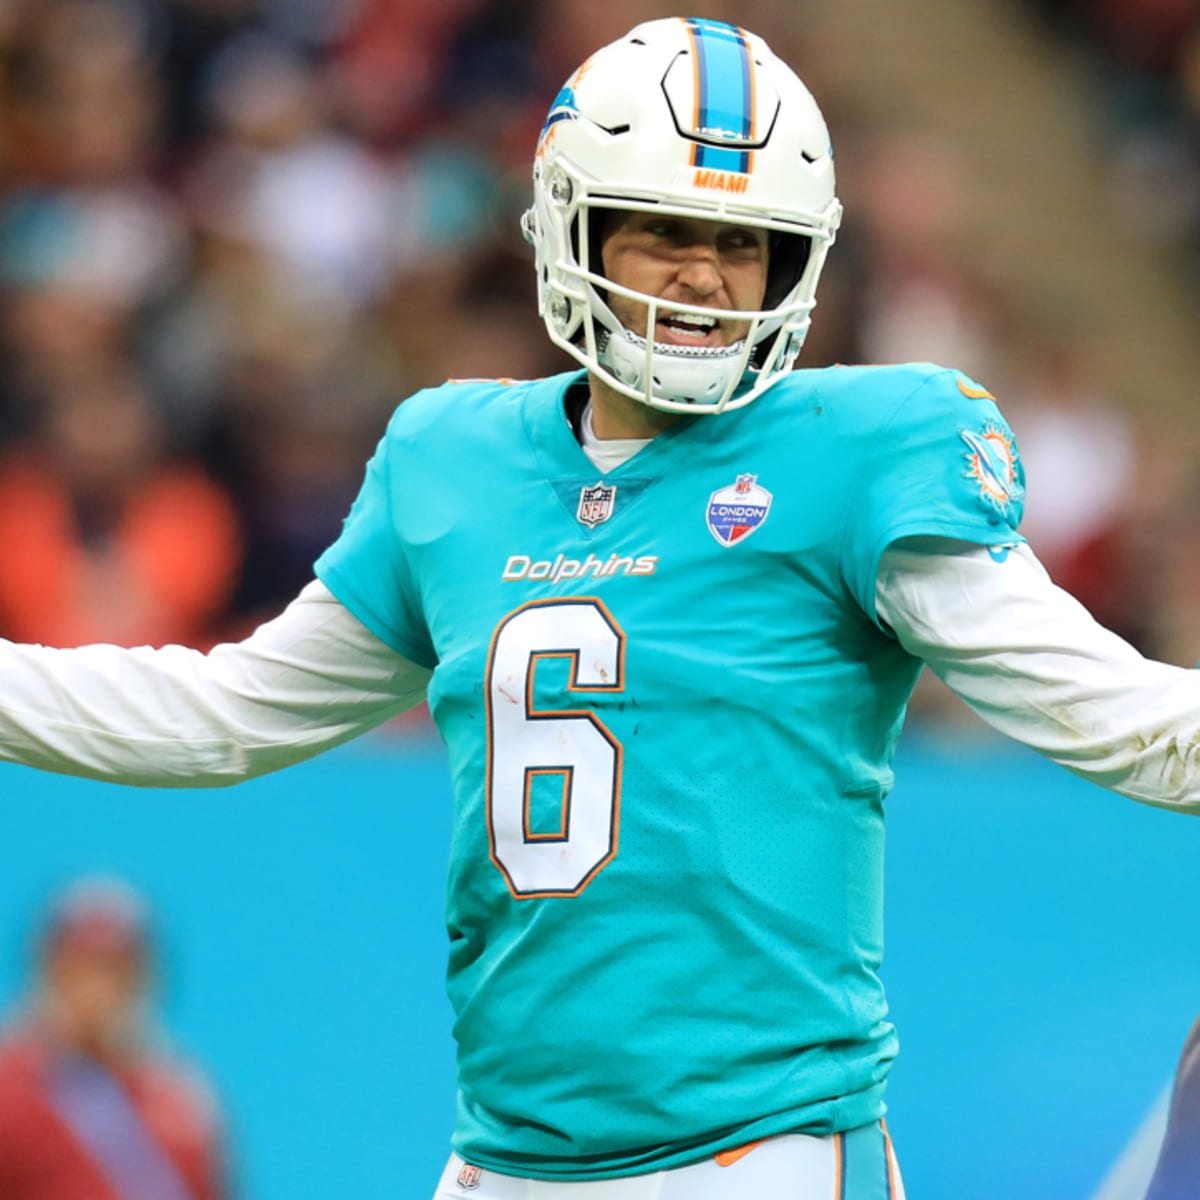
point(596, 504)
point(735, 512)
point(469, 1177)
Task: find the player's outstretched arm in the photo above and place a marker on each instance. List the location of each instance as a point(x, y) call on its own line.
point(1177, 1175)
point(1032, 661)
point(310, 679)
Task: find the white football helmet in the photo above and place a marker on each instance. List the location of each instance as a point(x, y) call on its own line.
point(697, 119)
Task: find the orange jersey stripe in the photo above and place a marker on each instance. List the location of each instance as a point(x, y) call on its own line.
point(974, 393)
point(890, 1155)
point(726, 1158)
point(695, 84)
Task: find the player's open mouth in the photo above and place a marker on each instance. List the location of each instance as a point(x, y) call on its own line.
point(688, 329)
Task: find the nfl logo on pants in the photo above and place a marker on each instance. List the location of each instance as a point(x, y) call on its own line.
point(469, 1177)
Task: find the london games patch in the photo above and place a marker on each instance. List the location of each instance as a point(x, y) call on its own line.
point(736, 511)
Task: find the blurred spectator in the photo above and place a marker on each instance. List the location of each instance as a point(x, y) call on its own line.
point(389, 63)
point(1078, 447)
point(105, 539)
point(89, 1108)
point(282, 179)
point(298, 434)
point(85, 105)
point(920, 299)
point(1147, 546)
point(1143, 57)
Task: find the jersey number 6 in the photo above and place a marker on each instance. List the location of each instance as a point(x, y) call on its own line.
point(568, 751)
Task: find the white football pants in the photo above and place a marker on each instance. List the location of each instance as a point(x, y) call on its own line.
point(857, 1165)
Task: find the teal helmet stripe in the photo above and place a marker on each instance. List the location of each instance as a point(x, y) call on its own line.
point(724, 94)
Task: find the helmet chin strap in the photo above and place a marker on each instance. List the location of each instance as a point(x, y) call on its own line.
point(683, 374)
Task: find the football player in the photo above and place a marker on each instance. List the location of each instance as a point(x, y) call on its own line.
point(667, 610)
point(92, 1105)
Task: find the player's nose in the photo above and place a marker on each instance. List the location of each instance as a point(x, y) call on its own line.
point(700, 271)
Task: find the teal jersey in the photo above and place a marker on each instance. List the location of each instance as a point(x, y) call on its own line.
point(670, 711)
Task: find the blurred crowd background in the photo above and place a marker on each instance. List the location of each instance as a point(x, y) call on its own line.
point(235, 233)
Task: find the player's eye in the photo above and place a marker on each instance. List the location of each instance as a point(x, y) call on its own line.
point(662, 228)
point(741, 240)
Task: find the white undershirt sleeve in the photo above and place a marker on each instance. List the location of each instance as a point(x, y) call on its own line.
point(310, 679)
point(1034, 664)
